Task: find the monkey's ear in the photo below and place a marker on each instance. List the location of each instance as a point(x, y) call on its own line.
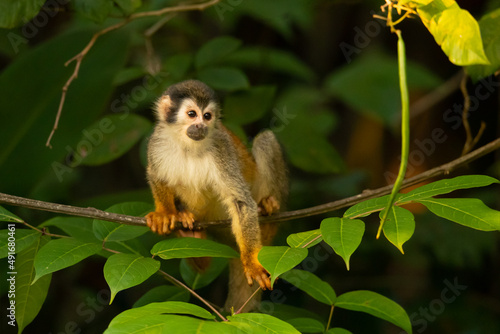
point(162, 107)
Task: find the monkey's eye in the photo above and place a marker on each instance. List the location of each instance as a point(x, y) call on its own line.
point(191, 113)
point(207, 116)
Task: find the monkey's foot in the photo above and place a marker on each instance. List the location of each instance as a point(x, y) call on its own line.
point(268, 206)
point(161, 222)
point(255, 271)
point(186, 218)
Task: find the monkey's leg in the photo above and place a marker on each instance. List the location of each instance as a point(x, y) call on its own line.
point(271, 184)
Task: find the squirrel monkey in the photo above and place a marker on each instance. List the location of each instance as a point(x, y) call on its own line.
point(199, 170)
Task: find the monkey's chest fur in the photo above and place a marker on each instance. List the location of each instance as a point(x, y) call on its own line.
point(192, 176)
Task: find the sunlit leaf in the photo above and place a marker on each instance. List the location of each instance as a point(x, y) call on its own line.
point(16, 240)
point(263, 323)
point(399, 226)
point(123, 271)
point(367, 207)
point(376, 305)
point(311, 284)
point(343, 235)
point(469, 212)
point(7, 216)
point(304, 239)
point(279, 259)
point(307, 325)
point(176, 248)
point(62, 253)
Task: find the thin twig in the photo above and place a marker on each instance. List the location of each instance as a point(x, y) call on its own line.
point(280, 217)
point(248, 300)
point(79, 57)
point(191, 291)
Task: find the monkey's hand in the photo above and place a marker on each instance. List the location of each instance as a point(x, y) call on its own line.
point(255, 271)
point(268, 206)
point(164, 223)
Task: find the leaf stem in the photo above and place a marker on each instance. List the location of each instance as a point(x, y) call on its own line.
point(330, 318)
point(405, 128)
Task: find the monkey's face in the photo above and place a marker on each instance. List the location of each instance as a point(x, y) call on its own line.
point(195, 120)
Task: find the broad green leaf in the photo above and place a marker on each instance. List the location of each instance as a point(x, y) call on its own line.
point(128, 6)
point(76, 227)
point(367, 207)
point(446, 186)
point(87, 97)
point(177, 248)
point(15, 241)
point(311, 284)
point(489, 25)
point(279, 259)
point(248, 106)
point(19, 12)
point(130, 316)
point(163, 293)
point(370, 84)
point(196, 279)
point(178, 65)
point(263, 323)
point(307, 325)
point(338, 330)
point(224, 78)
point(7, 216)
point(111, 137)
point(216, 50)
point(304, 239)
point(29, 296)
point(95, 10)
point(109, 231)
point(470, 212)
point(273, 60)
point(123, 271)
point(62, 253)
point(376, 305)
point(173, 324)
point(456, 31)
point(343, 235)
point(399, 226)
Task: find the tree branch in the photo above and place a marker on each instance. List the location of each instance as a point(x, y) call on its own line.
point(280, 217)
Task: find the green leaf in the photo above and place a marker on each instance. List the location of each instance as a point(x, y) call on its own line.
point(7, 216)
point(29, 296)
point(111, 137)
point(304, 239)
point(178, 65)
point(77, 227)
point(343, 235)
point(370, 84)
point(489, 25)
point(95, 10)
point(469, 212)
point(196, 279)
point(263, 323)
point(215, 50)
point(19, 12)
point(399, 226)
point(311, 284)
point(279, 259)
point(128, 317)
point(367, 207)
point(176, 248)
point(123, 271)
point(62, 253)
point(109, 231)
point(307, 325)
point(455, 30)
point(15, 241)
point(248, 106)
point(376, 305)
point(275, 60)
point(446, 186)
point(163, 293)
point(224, 78)
point(128, 6)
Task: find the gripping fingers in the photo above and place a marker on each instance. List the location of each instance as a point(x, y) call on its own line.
point(160, 222)
point(268, 206)
point(186, 218)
